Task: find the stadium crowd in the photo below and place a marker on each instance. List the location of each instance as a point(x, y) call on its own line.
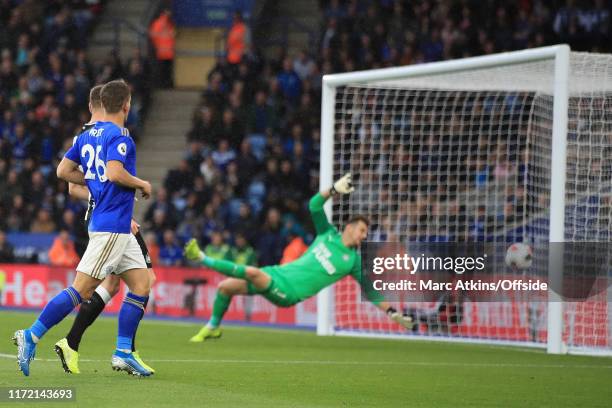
point(252, 154)
point(45, 77)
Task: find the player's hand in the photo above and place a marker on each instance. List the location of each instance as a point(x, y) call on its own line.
point(192, 251)
point(344, 185)
point(146, 190)
point(404, 320)
point(134, 227)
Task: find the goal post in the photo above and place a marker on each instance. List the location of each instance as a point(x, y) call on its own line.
point(554, 343)
point(325, 298)
point(475, 149)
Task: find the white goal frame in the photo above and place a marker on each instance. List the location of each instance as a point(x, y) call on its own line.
point(560, 54)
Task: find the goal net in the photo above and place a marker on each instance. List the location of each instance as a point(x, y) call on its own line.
point(463, 151)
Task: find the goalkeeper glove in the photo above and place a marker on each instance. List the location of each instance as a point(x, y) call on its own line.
point(192, 251)
point(404, 320)
point(344, 185)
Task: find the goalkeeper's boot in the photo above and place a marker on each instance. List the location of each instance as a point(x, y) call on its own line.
point(192, 251)
point(206, 333)
point(26, 350)
point(122, 361)
point(68, 356)
point(142, 363)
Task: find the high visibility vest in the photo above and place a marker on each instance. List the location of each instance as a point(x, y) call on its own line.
point(236, 43)
point(162, 35)
point(294, 250)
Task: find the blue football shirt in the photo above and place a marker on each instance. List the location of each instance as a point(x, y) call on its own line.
point(93, 149)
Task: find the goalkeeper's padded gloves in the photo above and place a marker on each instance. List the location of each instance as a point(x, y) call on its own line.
point(192, 251)
point(404, 320)
point(344, 185)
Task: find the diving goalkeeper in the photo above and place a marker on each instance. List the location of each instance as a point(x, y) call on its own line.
point(331, 257)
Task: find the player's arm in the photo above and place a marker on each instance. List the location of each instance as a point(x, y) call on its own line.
point(78, 191)
point(378, 299)
point(68, 170)
point(116, 173)
point(403, 319)
point(342, 186)
point(118, 150)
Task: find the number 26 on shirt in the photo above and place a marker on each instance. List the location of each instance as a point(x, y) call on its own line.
point(87, 151)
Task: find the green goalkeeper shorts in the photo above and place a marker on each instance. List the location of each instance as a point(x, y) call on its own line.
point(278, 293)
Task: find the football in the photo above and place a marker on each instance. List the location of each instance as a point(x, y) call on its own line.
point(519, 256)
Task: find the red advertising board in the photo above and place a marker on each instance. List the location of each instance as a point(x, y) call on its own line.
point(31, 286)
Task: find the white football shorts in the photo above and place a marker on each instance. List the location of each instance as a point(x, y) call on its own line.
point(109, 252)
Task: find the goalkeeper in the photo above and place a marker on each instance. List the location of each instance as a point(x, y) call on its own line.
point(331, 257)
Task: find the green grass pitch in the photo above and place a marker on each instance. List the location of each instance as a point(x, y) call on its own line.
point(253, 367)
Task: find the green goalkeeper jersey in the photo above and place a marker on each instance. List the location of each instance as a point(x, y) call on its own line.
point(326, 261)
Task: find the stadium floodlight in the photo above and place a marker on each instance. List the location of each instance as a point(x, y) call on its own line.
point(504, 147)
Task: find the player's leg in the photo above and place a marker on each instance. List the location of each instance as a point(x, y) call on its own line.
point(130, 315)
point(226, 290)
point(53, 313)
point(135, 352)
point(230, 269)
point(151, 282)
point(264, 282)
point(91, 309)
point(133, 271)
point(67, 348)
point(145, 253)
point(102, 248)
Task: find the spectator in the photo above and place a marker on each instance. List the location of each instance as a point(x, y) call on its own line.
point(242, 253)
point(295, 248)
point(238, 40)
point(210, 223)
point(18, 218)
point(7, 253)
point(218, 249)
point(43, 222)
point(245, 223)
point(161, 204)
point(232, 128)
point(180, 179)
point(303, 65)
point(223, 155)
point(270, 243)
point(63, 252)
point(170, 252)
point(261, 116)
point(289, 82)
point(209, 171)
point(162, 33)
point(206, 129)
point(246, 161)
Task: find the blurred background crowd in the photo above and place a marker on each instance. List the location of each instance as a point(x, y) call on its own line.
point(252, 155)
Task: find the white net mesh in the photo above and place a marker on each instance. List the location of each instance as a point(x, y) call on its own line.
point(467, 157)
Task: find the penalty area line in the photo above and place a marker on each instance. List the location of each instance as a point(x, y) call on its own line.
point(347, 363)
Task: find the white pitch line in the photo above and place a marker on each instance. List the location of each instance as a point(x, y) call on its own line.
point(349, 363)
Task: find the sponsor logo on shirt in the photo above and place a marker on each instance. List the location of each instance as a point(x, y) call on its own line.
point(322, 254)
point(122, 149)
